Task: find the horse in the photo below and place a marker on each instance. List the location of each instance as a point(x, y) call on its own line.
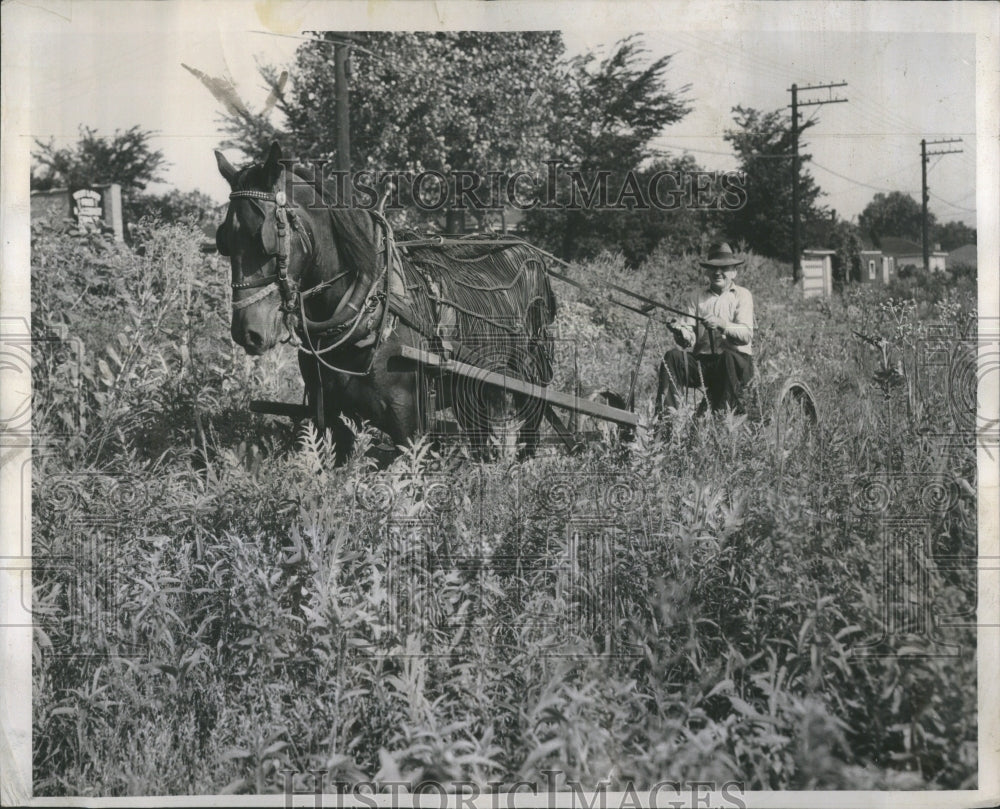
point(350, 297)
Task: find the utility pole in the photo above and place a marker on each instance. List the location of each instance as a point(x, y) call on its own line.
point(925, 194)
point(795, 90)
point(796, 245)
point(340, 56)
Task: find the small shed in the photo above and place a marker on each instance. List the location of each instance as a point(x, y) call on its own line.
point(817, 273)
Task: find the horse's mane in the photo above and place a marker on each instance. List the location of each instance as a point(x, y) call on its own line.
point(353, 228)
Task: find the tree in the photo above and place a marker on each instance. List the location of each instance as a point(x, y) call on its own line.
point(125, 158)
point(951, 235)
point(893, 214)
point(634, 232)
point(173, 206)
point(446, 102)
point(471, 101)
point(605, 116)
point(763, 143)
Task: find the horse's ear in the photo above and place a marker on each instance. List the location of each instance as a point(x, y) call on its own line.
point(226, 169)
point(272, 166)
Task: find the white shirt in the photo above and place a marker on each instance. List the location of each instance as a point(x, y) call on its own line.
point(733, 306)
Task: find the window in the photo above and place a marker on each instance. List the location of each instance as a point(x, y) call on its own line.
point(871, 269)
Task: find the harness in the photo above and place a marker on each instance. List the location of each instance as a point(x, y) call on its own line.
point(278, 249)
point(371, 323)
point(375, 306)
point(306, 334)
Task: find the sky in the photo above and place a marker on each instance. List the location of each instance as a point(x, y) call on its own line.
point(111, 68)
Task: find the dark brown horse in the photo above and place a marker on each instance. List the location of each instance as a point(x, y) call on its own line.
point(334, 278)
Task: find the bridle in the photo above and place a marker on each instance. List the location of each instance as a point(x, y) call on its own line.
point(304, 332)
point(279, 280)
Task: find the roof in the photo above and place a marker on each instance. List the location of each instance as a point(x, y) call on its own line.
point(895, 246)
point(966, 254)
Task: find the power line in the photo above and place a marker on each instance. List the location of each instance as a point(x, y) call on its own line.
point(871, 109)
point(952, 204)
point(890, 190)
point(726, 154)
point(858, 182)
point(964, 197)
point(331, 38)
point(697, 151)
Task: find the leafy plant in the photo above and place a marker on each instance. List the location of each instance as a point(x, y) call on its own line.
point(218, 604)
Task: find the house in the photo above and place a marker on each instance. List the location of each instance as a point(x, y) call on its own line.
point(876, 267)
point(911, 254)
point(964, 256)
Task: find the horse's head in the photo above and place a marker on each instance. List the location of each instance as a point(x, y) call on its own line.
point(266, 269)
point(287, 258)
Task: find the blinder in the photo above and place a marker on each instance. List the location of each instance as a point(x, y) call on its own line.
point(272, 236)
point(269, 235)
point(222, 240)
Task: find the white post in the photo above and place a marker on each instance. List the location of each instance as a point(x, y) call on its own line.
point(111, 199)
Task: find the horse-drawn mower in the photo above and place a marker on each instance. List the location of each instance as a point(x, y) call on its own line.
point(427, 335)
point(438, 366)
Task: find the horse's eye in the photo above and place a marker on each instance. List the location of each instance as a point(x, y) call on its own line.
point(222, 240)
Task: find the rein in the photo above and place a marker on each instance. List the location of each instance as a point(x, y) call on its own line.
point(370, 318)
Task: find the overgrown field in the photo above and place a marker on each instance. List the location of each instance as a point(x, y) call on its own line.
point(218, 604)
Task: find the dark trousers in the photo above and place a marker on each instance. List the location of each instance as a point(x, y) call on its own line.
point(724, 376)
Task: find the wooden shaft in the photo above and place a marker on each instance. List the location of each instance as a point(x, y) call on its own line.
point(540, 392)
point(650, 303)
point(286, 409)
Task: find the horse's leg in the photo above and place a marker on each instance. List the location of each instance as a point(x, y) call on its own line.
point(311, 381)
point(336, 430)
point(534, 368)
point(529, 434)
point(470, 403)
point(402, 423)
point(328, 403)
point(343, 438)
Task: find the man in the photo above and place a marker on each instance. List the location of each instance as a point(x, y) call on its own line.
point(719, 335)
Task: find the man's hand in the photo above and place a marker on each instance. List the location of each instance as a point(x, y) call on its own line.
point(682, 338)
point(715, 323)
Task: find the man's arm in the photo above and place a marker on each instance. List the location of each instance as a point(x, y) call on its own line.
point(740, 330)
point(683, 327)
